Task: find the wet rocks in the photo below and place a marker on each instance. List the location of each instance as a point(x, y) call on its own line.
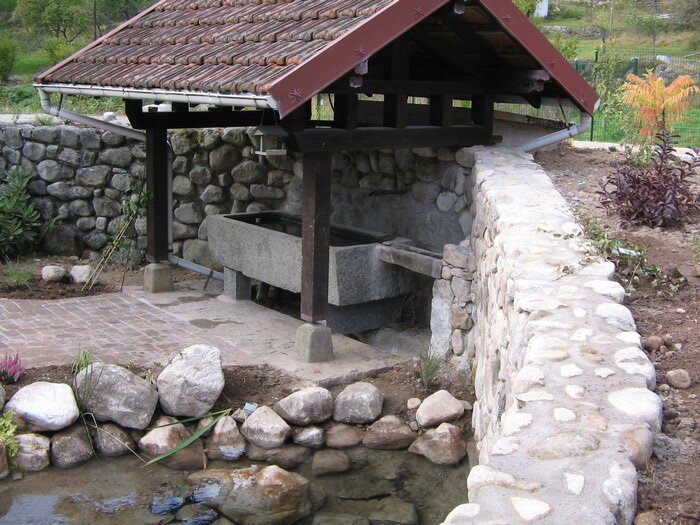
point(438, 408)
point(33, 453)
point(113, 393)
point(192, 381)
point(226, 442)
point(44, 406)
point(330, 462)
point(266, 429)
point(389, 433)
point(358, 403)
point(679, 378)
point(287, 456)
point(394, 511)
point(444, 445)
point(163, 438)
point(344, 436)
point(71, 447)
point(256, 495)
point(305, 407)
point(112, 441)
point(196, 514)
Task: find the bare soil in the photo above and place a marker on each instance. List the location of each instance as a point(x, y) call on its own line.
point(668, 488)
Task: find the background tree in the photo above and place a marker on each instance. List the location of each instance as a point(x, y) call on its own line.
point(67, 19)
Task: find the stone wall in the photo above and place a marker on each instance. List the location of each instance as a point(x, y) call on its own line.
point(82, 176)
point(565, 414)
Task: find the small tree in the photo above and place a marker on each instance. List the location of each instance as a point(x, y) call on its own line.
point(8, 55)
point(67, 19)
point(657, 107)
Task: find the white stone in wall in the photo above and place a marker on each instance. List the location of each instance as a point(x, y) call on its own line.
point(582, 334)
point(610, 289)
point(616, 315)
point(574, 391)
point(630, 337)
point(513, 421)
point(505, 446)
point(604, 372)
point(575, 482)
point(634, 361)
point(639, 403)
point(482, 476)
point(462, 514)
point(564, 414)
point(530, 509)
point(570, 370)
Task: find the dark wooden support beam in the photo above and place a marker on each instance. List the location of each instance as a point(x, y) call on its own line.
point(158, 213)
point(441, 111)
point(367, 139)
point(316, 229)
point(396, 105)
point(482, 115)
point(296, 121)
point(345, 111)
point(180, 107)
point(180, 118)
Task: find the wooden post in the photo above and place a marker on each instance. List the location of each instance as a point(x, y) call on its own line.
point(316, 229)
point(441, 111)
point(482, 114)
point(157, 187)
point(396, 106)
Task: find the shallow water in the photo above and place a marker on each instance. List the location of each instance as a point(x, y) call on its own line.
point(110, 491)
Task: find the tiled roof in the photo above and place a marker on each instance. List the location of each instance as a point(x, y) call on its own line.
point(222, 46)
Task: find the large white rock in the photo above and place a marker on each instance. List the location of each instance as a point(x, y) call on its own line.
point(54, 274)
point(33, 453)
point(358, 403)
point(44, 406)
point(306, 406)
point(265, 428)
point(639, 403)
point(192, 381)
point(113, 393)
point(616, 315)
point(439, 407)
point(81, 273)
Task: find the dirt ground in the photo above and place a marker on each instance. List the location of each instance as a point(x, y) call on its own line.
point(669, 487)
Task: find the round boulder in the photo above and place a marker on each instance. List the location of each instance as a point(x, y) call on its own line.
point(192, 381)
point(44, 406)
point(306, 406)
point(33, 452)
point(389, 433)
point(358, 403)
point(265, 428)
point(168, 434)
point(439, 407)
point(71, 447)
point(444, 445)
point(55, 274)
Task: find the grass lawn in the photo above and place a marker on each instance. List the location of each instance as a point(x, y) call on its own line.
point(31, 65)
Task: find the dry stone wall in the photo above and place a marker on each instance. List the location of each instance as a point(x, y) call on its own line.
point(565, 414)
point(82, 176)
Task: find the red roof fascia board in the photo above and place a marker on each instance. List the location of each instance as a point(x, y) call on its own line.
point(40, 78)
point(331, 63)
point(527, 35)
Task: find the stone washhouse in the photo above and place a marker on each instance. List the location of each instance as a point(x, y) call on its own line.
point(409, 176)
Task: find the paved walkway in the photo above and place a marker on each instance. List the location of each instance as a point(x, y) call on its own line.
point(144, 329)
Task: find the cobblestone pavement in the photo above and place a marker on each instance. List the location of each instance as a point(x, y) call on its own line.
point(144, 329)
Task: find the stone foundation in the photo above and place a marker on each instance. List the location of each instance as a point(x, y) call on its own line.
point(564, 415)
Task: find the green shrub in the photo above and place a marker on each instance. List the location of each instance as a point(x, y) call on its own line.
point(21, 225)
point(58, 48)
point(8, 55)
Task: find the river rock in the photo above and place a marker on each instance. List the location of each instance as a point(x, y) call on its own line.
point(226, 442)
point(678, 378)
point(439, 407)
point(81, 273)
point(44, 406)
point(71, 447)
point(113, 393)
point(163, 438)
point(344, 436)
point(266, 429)
point(394, 511)
point(330, 462)
point(358, 403)
point(389, 433)
point(254, 496)
point(306, 406)
point(444, 445)
point(192, 381)
point(288, 456)
point(33, 453)
point(55, 274)
point(311, 437)
point(112, 441)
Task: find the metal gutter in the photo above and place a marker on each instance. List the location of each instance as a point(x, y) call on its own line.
point(163, 95)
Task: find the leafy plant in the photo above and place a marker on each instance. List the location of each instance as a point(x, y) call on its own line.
point(567, 46)
point(632, 265)
point(82, 361)
point(429, 366)
point(655, 195)
point(11, 369)
point(8, 430)
point(656, 106)
point(16, 275)
point(21, 225)
point(58, 48)
point(8, 55)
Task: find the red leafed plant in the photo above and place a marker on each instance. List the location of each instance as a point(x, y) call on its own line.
point(11, 369)
point(657, 194)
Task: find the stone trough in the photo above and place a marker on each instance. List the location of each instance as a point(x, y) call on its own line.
point(364, 290)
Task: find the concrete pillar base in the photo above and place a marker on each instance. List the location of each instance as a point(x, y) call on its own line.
point(236, 285)
point(157, 278)
point(314, 343)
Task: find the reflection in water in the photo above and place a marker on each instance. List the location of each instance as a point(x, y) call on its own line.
point(32, 510)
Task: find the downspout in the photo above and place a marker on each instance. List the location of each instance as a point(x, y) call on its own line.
point(93, 122)
point(558, 136)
